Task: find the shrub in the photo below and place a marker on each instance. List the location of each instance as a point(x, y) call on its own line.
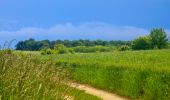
point(124, 48)
point(47, 51)
point(86, 49)
point(83, 49)
point(103, 49)
point(71, 50)
point(61, 49)
point(141, 43)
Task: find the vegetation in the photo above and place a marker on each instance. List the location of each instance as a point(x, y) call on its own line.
point(47, 51)
point(135, 74)
point(142, 43)
point(84, 49)
point(25, 76)
point(157, 39)
point(60, 49)
point(124, 48)
point(32, 45)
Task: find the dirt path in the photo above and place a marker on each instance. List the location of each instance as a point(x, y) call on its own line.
point(99, 93)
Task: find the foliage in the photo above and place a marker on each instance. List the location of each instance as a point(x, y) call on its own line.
point(124, 48)
point(84, 49)
point(23, 76)
point(169, 45)
point(47, 51)
point(136, 74)
point(61, 49)
point(159, 38)
point(33, 45)
point(27, 76)
point(141, 43)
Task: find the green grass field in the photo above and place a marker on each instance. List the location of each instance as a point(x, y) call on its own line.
point(134, 74)
point(24, 77)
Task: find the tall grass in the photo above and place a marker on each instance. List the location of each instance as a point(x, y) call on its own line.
point(23, 76)
point(135, 74)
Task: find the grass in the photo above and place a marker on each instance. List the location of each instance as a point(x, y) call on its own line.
point(24, 76)
point(135, 74)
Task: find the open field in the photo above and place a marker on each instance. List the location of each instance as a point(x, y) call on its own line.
point(24, 77)
point(130, 74)
point(134, 74)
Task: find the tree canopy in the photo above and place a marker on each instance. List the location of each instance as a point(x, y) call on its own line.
point(159, 38)
point(141, 43)
point(34, 45)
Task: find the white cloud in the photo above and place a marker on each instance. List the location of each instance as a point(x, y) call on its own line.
point(82, 31)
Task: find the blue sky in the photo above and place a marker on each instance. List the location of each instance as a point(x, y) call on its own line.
point(81, 19)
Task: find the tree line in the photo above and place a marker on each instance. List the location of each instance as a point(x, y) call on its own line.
point(157, 39)
point(34, 45)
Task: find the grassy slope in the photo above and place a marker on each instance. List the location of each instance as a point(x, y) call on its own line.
point(136, 74)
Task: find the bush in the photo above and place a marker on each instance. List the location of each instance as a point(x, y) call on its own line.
point(86, 49)
point(124, 48)
point(71, 50)
point(47, 51)
point(141, 43)
point(83, 49)
point(103, 49)
point(61, 49)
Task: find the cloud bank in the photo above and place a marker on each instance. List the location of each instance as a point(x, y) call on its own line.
point(70, 31)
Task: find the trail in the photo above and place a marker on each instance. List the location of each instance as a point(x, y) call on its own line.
point(96, 92)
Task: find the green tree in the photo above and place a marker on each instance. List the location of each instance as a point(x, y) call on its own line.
point(159, 38)
point(141, 43)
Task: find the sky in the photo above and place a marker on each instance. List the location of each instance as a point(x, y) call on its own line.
point(82, 19)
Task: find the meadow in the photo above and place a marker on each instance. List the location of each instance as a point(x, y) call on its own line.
point(23, 76)
point(133, 74)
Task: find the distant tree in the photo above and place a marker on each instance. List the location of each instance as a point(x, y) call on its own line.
point(159, 38)
point(141, 43)
point(44, 44)
point(20, 45)
point(67, 43)
point(30, 44)
point(99, 42)
point(34, 45)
